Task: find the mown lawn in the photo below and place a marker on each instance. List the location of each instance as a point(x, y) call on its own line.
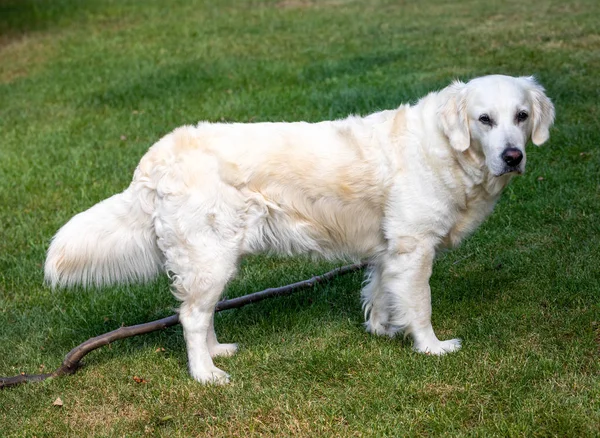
point(87, 87)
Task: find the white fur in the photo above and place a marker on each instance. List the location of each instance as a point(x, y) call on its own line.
point(393, 187)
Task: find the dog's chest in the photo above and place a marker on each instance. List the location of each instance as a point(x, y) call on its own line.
point(477, 207)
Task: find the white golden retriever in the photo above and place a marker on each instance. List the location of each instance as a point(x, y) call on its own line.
point(392, 188)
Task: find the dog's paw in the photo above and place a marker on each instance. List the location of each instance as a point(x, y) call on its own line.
point(439, 348)
point(223, 350)
point(213, 376)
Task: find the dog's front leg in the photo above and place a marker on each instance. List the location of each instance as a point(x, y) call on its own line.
point(406, 269)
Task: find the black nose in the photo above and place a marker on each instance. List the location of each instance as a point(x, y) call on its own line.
point(512, 156)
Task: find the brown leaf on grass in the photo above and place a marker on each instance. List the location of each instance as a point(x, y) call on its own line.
point(139, 379)
point(58, 402)
point(159, 350)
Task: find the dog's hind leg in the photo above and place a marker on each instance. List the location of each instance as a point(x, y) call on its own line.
point(202, 259)
point(214, 347)
point(200, 293)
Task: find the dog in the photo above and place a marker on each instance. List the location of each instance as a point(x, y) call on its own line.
point(392, 188)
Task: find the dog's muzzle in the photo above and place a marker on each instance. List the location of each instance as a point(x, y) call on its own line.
point(512, 158)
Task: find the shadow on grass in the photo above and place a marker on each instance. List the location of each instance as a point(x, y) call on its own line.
point(62, 321)
point(331, 88)
point(19, 17)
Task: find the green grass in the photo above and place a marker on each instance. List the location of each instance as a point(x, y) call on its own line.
point(87, 87)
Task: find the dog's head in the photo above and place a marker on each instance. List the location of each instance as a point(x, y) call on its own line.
point(496, 116)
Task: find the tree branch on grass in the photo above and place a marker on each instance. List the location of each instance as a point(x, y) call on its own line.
point(72, 361)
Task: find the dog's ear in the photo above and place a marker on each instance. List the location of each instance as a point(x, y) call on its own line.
point(542, 109)
point(453, 116)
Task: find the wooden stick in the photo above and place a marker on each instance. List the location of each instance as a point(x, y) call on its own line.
point(72, 361)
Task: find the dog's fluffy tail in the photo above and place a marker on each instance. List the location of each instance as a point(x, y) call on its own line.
point(112, 242)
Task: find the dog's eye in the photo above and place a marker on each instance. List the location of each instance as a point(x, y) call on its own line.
point(485, 119)
point(522, 116)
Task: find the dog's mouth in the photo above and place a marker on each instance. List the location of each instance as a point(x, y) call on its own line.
point(516, 170)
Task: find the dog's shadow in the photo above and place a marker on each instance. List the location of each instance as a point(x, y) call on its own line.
point(87, 314)
point(308, 313)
